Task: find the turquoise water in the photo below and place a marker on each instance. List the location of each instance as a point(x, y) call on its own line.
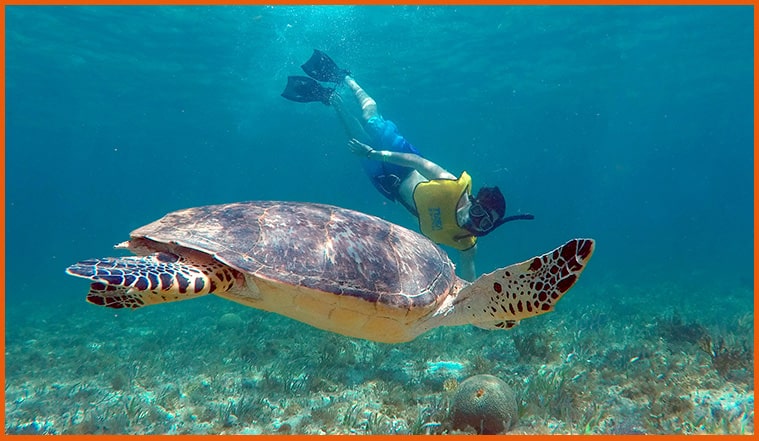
point(631, 125)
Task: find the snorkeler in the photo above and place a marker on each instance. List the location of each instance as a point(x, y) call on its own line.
point(447, 212)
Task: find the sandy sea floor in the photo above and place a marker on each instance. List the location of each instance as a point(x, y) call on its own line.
point(611, 359)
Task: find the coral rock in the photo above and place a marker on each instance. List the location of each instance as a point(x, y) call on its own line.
point(230, 321)
point(485, 403)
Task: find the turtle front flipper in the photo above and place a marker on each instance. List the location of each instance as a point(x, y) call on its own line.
point(500, 299)
point(136, 281)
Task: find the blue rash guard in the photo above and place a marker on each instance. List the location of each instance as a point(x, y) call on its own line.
point(387, 177)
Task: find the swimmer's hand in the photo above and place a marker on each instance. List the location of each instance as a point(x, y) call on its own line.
point(359, 148)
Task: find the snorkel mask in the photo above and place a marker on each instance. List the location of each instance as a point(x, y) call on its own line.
point(487, 212)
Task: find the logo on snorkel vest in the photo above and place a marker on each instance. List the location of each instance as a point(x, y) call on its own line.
point(436, 221)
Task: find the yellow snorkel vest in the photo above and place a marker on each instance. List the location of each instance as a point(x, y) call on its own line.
point(436, 201)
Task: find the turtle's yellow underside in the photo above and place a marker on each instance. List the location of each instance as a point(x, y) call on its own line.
point(346, 315)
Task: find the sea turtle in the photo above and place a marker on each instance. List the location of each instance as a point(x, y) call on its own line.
point(336, 269)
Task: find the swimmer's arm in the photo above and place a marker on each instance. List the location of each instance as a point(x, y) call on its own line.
point(466, 268)
point(425, 167)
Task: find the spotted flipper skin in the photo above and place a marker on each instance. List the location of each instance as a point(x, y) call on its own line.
point(136, 281)
point(500, 299)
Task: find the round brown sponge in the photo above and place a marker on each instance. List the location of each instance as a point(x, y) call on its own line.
point(486, 403)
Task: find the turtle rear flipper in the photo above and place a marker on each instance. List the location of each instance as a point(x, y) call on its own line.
point(500, 299)
point(136, 281)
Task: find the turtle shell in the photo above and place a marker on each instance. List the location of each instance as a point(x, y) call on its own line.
point(321, 247)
